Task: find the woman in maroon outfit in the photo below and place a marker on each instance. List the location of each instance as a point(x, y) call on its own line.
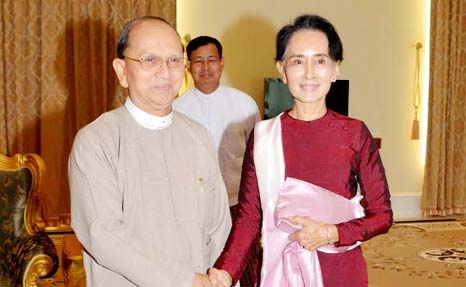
point(320, 147)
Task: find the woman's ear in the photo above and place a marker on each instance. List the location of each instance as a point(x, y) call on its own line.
point(120, 70)
point(281, 70)
point(336, 72)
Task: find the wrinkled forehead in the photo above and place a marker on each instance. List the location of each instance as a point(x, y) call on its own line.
point(153, 33)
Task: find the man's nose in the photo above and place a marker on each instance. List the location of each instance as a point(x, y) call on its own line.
point(205, 65)
point(162, 70)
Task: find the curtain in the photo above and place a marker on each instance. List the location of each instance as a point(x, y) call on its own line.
point(444, 189)
point(56, 76)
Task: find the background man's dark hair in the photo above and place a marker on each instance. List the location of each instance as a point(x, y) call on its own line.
point(202, 41)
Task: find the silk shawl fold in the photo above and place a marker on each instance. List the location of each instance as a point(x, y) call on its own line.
point(297, 197)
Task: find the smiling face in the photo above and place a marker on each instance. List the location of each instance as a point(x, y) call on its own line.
point(206, 68)
point(307, 67)
point(151, 91)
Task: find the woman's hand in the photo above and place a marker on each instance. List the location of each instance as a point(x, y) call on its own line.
point(219, 278)
point(314, 234)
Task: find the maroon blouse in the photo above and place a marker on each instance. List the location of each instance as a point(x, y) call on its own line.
point(336, 153)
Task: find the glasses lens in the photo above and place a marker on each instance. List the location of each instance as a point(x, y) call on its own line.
point(175, 62)
point(151, 63)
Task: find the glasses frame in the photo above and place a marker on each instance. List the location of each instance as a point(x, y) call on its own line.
point(162, 61)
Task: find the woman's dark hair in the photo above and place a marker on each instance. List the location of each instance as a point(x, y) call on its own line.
point(312, 22)
point(123, 38)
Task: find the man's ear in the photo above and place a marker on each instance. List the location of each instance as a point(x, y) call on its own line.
point(222, 63)
point(188, 66)
point(281, 70)
point(119, 66)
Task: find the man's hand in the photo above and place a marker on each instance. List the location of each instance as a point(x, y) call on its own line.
point(314, 234)
point(219, 278)
point(201, 280)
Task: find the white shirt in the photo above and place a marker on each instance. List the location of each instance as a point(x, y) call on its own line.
point(229, 115)
point(147, 120)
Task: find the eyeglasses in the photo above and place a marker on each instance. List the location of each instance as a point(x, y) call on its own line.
point(152, 63)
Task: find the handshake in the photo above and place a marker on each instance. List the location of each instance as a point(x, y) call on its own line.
point(214, 278)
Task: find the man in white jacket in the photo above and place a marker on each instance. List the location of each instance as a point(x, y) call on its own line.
point(227, 113)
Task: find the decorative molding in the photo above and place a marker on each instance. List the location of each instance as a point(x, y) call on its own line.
point(39, 266)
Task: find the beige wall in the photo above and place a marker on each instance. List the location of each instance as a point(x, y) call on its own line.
point(379, 57)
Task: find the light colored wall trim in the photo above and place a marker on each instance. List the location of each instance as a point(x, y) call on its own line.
point(406, 206)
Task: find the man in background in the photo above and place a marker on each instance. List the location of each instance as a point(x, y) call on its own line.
point(227, 113)
point(148, 202)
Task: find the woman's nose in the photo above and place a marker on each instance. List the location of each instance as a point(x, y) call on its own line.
point(309, 70)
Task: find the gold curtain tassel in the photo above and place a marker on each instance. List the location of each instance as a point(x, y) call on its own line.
point(416, 93)
point(415, 130)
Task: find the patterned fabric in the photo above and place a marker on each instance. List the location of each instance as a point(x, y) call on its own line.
point(25, 249)
point(444, 190)
point(14, 189)
point(17, 247)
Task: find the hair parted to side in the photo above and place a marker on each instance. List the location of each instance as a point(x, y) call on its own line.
point(312, 22)
point(123, 37)
point(202, 41)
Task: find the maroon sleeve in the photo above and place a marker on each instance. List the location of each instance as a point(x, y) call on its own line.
point(374, 188)
point(246, 227)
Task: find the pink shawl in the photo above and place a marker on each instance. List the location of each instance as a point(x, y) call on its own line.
point(302, 198)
